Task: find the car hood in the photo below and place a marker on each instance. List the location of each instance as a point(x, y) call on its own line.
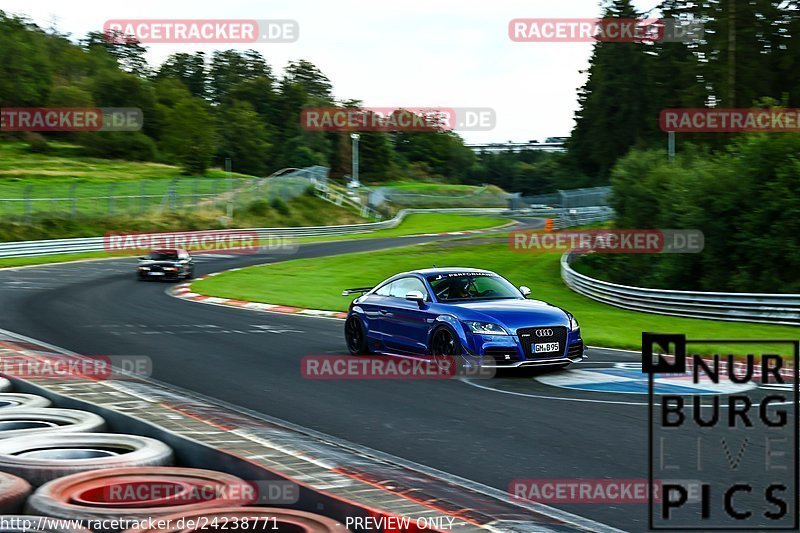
point(513, 314)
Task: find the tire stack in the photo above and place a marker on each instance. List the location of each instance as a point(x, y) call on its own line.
point(61, 464)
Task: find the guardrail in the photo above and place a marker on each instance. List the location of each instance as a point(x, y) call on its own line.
point(96, 244)
point(731, 306)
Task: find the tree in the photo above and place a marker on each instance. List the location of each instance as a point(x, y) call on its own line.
point(190, 69)
point(25, 68)
point(115, 88)
point(243, 138)
point(128, 52)
point(307, 75)
point(188, 135)
point(231, 67)
point(613, 105)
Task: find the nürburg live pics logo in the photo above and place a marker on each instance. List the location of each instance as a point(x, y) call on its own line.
point(723, 456)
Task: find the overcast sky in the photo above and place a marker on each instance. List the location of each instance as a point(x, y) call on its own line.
point(413, 53)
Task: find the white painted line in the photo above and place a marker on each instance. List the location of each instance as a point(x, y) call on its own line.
point(257, 305)
point(215, 300)
point(317, 312)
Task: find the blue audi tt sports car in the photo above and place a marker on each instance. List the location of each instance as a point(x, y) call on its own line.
point(473, 314)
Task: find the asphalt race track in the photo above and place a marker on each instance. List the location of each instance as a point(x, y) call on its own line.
point(489, 431)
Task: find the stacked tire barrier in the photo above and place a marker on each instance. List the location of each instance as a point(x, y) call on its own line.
point(60, 470)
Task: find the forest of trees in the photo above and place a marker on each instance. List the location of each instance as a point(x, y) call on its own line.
point(747, 57)
point(200, 109)
point(740, 189)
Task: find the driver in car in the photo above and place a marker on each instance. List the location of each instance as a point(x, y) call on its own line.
point(460, 289)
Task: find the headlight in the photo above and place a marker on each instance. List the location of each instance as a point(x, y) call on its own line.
point(171, 268)
point(573, 322)
point(144, 268)
point(486, 328)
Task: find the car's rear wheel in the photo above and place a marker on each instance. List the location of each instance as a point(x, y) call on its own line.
point(355, 336)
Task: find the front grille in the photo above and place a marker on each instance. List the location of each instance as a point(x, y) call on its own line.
point(156, 268)
point(502, 355)
point(528, 337)
point(575, 350)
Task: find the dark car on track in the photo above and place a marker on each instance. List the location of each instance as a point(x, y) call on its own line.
point(474, 315)
point(167, 263)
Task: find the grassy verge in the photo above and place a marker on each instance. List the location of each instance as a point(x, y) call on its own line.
point(317, 283)
point(421, 187)
point(422, 194)
point(411, 225)
point(422, 223)
point(71, 182)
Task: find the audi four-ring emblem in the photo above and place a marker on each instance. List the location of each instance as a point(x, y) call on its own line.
point(544, 332)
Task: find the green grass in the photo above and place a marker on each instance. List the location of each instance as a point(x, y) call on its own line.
point(9, 262)
point(317, 283)
point(427, 194)
point(411, 225)
point(63, 173)
point(64, 161)
point(421, 223)
point(420, 187)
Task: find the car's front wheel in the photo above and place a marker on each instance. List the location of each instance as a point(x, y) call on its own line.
point(446, 349)
point(356, 336)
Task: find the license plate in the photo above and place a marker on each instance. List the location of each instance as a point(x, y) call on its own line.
point(546, 347)
point(156, 273)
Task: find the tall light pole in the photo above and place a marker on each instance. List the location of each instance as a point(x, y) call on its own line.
point(355, 137)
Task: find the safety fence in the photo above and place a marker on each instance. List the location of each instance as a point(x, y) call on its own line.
point(73, 199)
point(567, 198)
point(741, 307)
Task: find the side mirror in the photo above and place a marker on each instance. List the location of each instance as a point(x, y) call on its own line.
point(525, 291)
point(415, 296)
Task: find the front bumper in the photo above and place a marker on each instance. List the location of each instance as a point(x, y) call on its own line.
point(487, 363)
point(161, 274)
point(509, 351)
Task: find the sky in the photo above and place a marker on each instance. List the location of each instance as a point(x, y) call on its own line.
point(390, 53)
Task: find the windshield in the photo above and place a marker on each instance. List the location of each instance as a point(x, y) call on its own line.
point(163, 256)
point(471, 286)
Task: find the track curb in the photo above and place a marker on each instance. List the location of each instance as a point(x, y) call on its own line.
point(184, 290)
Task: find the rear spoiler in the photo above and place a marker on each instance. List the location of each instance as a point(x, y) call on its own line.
point(361, 290)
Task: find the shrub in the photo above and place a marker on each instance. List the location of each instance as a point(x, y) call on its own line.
point(280, 206)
